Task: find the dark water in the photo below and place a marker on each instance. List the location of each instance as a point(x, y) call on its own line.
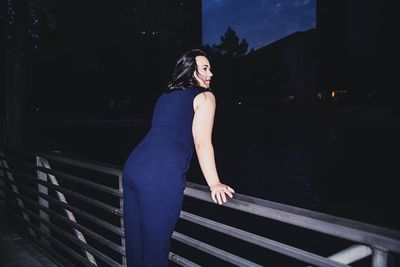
point(346, 167)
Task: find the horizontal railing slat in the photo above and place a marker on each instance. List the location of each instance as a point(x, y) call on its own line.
point(281, 248)
point(85, 230)
point(214, 251)
point(181, 261)
point(114, 170)
point(84, 214)
point(71, 252)
point(71, 193)
point(69, 177)
point(73, 178)
point(71, 238)
point(386, 240)
point(17, 162)
point(320, 222)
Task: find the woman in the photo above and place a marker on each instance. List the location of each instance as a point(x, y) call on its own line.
point(154, 173)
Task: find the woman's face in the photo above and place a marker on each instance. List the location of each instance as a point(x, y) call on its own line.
point(203, 71)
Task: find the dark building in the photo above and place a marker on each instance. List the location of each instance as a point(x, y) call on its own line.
point(162, 30)
point(89, 56)
point(283, 73)
point(157, 33)
point(118, 54)
point(174, 25)
point(355, 50)
point(2, 72)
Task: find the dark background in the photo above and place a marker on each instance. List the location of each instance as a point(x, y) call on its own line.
point(310, 120)
point(82, 77)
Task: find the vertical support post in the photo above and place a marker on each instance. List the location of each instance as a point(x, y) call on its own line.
point(121, 205)
point(379, 257)
point(2, 185)
point(42, 176)
point(42, 162)
point(352, 254)
point(20, 203)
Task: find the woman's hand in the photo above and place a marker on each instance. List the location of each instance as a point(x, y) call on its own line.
point(218, 192)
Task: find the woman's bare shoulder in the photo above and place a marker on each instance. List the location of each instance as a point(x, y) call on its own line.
point(206, 95)
point(205, 98)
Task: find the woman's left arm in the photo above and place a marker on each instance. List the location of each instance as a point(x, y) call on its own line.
point(202, 134)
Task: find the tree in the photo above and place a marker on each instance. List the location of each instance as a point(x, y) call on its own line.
point(15, 70)
point(225, 59)
point(230, 45)
point(20, 26)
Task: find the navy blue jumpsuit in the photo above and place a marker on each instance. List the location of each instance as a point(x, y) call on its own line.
point(154, 179)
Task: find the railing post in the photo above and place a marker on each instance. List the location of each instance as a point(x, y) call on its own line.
point(2, 185)
point(42, 162)
point(352, 254)
point(379, 257)
point(10, 177)
point(121, 205)
point(43, 202)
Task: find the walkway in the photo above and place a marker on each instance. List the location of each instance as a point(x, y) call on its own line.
point(15, 251)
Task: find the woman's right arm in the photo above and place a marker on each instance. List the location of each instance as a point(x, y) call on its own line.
point(203, 121)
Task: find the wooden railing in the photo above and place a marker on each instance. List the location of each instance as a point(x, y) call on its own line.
point(73, 209)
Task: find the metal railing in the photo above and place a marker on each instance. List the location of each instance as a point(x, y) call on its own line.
point(73, 208)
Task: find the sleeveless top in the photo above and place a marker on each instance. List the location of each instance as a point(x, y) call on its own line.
point(173, 115)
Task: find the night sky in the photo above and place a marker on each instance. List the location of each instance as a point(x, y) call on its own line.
point(260, 22)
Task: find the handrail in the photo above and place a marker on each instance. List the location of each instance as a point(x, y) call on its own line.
point(105, 168)
point(370, 240)
point(324, 223)
point(214, 251)
point(106, 238)
point(261, 241)
point(84, 229)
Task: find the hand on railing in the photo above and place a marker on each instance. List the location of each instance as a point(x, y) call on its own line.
point(218, 192)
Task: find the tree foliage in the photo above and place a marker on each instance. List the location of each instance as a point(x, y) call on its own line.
point(231, 45)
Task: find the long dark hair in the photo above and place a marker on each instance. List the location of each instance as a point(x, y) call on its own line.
point(185, 67)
